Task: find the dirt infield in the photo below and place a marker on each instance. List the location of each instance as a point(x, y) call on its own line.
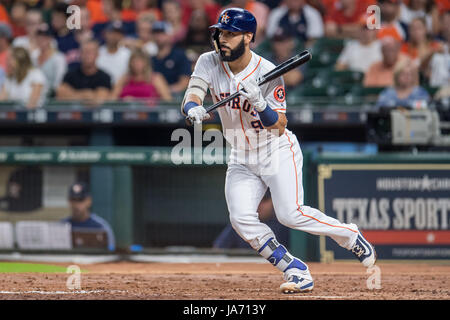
point(243, 281)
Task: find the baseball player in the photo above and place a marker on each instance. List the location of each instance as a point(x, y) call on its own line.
point(259, 116)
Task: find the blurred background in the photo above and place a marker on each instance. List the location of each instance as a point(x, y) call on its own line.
point(90, 96)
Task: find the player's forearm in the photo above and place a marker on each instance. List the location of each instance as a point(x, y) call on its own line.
point(190, 102)
point(65, 92)
point(35, 94)
point(194, 95)
point(280, 125)
point(194, 98)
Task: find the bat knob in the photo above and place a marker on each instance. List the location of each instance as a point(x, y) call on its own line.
point(189, 121)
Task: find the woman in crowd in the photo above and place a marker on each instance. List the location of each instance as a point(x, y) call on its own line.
point(24, 83)
point(141, 82)
point(406, 92)
point(426, 9)
point(420, 45)
point(48, 59)
point(420, 48)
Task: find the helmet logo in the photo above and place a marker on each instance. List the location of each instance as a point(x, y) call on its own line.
point(225, 18)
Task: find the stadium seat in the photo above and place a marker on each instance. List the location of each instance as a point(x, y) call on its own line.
point(264, 49)
point(325, 52)
point(323, 60)
point(309, 90)
point(324, 76)
point(331, 45)
point(309, 73)
point(346, 77)
point(367, 91)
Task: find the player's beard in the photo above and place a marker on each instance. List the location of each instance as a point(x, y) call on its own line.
point(235, 53)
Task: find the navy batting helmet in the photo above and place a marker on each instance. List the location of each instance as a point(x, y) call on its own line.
point(234, 20)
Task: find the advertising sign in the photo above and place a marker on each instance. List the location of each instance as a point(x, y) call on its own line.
point(402, 209)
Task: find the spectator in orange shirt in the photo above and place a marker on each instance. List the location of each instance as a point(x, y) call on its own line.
point(420, 47)
point(381, 74)
point(390, 24)
point(343, 19)
point(96, 11)
point(442, 5)
point(140, 6)
point(4, 17)
point(112, 10)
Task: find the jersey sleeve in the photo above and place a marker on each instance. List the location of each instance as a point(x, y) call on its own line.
point(203, 68)
point(275, 95)
point(37, 77)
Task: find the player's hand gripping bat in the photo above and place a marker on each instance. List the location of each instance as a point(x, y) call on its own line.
point(278, 71)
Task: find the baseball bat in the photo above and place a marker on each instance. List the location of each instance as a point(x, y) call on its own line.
point(276, 72)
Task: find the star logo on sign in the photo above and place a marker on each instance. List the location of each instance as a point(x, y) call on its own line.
point(426, 183)
point(431, 237)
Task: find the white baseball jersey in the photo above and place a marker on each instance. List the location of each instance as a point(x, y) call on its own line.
point(239, 114)
point(246, 182)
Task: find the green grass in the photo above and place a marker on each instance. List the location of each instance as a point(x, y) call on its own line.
point(30, 267)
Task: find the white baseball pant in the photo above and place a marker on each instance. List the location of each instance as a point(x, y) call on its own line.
point(245, 187)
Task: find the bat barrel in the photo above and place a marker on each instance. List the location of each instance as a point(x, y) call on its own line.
point(287, 66)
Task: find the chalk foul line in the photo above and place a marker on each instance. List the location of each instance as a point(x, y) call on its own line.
point(63, 292)
point(316, 297)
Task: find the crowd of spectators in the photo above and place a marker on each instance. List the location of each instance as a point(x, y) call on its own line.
point(146, 49)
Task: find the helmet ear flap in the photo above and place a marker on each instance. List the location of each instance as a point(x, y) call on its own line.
point(215, 40)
